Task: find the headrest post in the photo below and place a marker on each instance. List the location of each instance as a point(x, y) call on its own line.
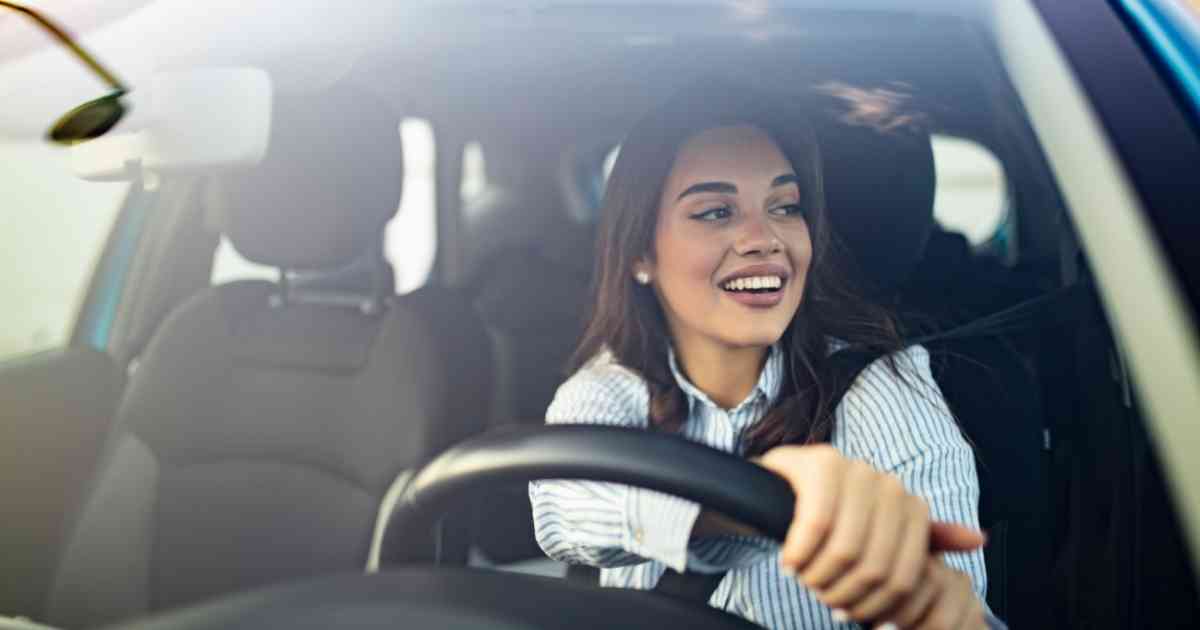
point(365, 285)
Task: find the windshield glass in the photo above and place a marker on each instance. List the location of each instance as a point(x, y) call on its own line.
point(378, 230)
point(55, 228)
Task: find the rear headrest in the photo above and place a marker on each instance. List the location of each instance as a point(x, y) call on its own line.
point(879, 187)
point(329, 183)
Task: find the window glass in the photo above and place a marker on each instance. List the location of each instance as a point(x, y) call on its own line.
point(971, 195)
point(410, 237)
point(610, 160)
point(53, 228)
point(228, 265)
point(474, 172)
point(1192, 7)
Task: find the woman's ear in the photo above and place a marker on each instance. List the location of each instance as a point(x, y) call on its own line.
point(642, 272)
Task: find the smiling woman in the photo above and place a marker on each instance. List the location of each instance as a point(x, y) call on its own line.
point(723, 316)
point(696, 280)
point(719, 303)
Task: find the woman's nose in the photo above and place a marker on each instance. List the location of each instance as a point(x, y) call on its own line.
point(757, 238)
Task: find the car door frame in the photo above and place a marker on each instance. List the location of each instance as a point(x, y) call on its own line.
point(1087, 83)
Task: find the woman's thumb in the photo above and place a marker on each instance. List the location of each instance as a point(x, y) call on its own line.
point(954, 537)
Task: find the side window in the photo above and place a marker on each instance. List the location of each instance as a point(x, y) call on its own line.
point(410, 238)
point(474, 172)
point(228, 265)
point(53, 229)
point(592, 182)
point(610, 160)
point(972, 193)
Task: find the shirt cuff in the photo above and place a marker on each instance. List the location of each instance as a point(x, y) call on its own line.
point(658, 526)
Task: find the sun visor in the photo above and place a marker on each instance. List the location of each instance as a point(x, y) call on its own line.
point(198, 121)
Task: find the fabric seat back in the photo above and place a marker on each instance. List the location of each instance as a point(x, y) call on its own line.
point(265, 421)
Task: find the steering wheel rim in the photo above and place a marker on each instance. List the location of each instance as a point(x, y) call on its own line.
point(462, 598)
point(666, 463)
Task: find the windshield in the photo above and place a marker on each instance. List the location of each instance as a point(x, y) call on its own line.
point(382, 224)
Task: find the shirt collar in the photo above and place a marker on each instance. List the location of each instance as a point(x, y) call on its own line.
point(769, 380)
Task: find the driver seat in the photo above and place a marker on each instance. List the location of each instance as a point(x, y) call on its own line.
point(265, 421)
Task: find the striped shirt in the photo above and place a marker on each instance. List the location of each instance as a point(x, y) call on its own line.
point(634, 535)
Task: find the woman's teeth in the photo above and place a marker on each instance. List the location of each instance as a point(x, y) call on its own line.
point(756, 283)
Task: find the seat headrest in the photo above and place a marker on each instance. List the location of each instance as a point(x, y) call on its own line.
point(879, 188)
point(330, 181)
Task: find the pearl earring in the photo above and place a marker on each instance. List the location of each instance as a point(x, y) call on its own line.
point(643, 277)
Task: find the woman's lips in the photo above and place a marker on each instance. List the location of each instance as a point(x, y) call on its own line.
point(756, 300)
point(746, 285)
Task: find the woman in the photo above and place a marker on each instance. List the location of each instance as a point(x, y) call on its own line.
point(718, 303)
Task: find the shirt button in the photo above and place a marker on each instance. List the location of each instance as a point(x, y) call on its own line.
point(639, 536)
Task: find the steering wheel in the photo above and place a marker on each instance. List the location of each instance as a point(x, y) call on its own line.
point(463, 598)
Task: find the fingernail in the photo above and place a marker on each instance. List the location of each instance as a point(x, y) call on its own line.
point(786, 570)
point(888, 626)
point(840, 616)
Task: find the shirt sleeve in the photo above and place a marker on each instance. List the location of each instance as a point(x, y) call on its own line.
point(895, 418)
point(723, 553)
point(607, 524)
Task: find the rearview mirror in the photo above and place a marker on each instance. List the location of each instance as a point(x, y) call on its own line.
point(88, 121)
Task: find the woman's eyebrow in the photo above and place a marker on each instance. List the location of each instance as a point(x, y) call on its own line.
point(703, 187)
point(730, 189)
point(783, 180)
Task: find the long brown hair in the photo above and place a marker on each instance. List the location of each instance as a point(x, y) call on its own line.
point(627, 319)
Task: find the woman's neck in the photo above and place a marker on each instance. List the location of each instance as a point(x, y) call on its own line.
point(726, 375)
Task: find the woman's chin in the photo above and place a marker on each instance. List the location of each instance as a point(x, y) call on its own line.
point(754, 338)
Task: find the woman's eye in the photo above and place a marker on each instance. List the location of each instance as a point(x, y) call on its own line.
point(790, 210)
point(713, 214)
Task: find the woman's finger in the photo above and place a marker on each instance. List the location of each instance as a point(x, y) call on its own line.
point(815, 474)
point(870, 577)
point(955, 537)
point(847, 541)
point(908, 565)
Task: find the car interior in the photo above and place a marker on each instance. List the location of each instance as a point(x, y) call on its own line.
point(247, 433)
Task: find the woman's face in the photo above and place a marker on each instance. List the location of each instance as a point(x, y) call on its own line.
point(731, 245)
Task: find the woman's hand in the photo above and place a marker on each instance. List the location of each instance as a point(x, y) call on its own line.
point(858, 539)
point(943, 600)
